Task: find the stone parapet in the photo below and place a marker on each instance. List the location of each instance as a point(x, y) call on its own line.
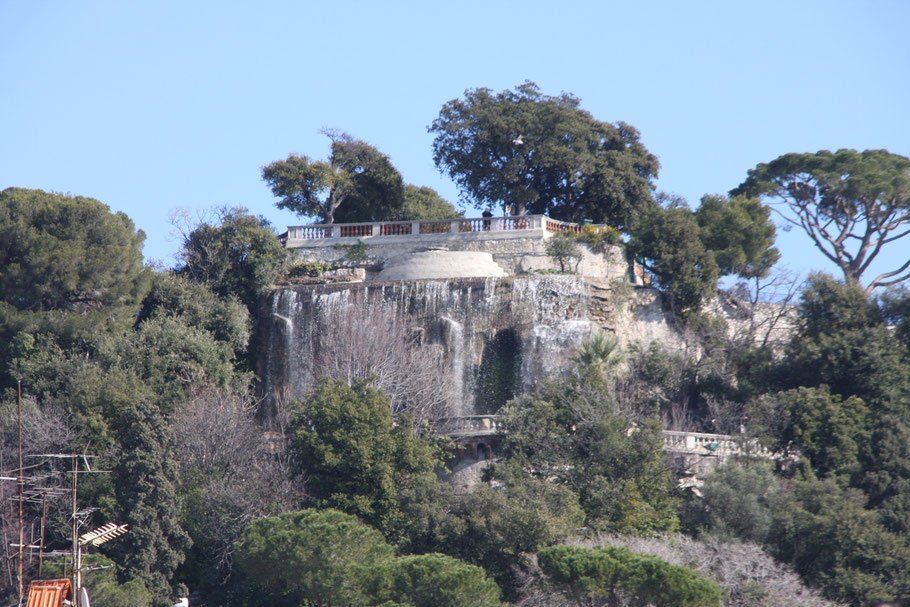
point(516, 244)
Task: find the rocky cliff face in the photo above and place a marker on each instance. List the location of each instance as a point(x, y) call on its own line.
point(498, 336)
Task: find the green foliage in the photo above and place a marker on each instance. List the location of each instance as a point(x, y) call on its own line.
point(567, 165)
point(311, 269)
point(895, 304)
point(600, 354)
point(351, 456)
point(69, 270)
point(239, 255)
point(68, 253)
point(827, 428)
point(424, 203)
point(597, 237)
point(667, 242)
point(603, 575)
point(851, 204)
point(357, 183)
point(435, 580)
point(739, 233)
point(225, 318)
point(173, 357)
point(144, 479)
point(326, 557)
point(820, 528)
point(329, 558)
point(562, 248)
point(844, 344)
point(835, 543)
point(571, 435)
point(354, 252)
point(517, 515)
point(738, 502)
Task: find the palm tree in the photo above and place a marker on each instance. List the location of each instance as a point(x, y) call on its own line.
point(601, 354)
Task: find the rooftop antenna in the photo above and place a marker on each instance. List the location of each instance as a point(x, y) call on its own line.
point(21, 488)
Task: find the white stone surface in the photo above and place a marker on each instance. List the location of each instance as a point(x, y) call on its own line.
point(441, 264)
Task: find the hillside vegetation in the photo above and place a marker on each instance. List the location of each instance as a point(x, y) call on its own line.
point(338, 499)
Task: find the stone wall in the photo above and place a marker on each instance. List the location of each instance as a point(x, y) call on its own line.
point(517, 253)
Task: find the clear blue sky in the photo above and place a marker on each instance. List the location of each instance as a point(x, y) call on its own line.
point(154, 106)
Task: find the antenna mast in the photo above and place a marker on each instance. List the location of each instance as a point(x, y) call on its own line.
point(21, 476)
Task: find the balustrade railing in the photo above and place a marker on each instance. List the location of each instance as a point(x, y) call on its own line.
point(561, 226)
point(468, 424)
point(395, 229)
point(355, 230)
point(474, 225)
point(701, 442)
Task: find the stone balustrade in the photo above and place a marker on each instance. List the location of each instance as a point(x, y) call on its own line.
point(529, 224)
point(468, 425)
point(702, 443)
point(690, 443)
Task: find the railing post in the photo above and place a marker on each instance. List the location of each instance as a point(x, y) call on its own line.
point(454, 226)
point(415, 227)
point(336, 230)
point(495, 224)
point(377, 229)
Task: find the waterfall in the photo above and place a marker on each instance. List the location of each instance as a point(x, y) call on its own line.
point(541, 317)
point(453, 342)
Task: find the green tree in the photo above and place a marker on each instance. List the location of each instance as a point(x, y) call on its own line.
point(600, 354)
point(100, 579)
point(144, 480)
point(738, 503)
point(518, 515)
point(844, 343)
point(563, 249)
point(69, 270)
point(613, 576)
point(356, 183)
point(425, 203)
point(435, 580)
point(351, 455)
point(324, 557)
point(667, 242)
point(543, 154)
point(828, 429)
point(851, 204)
point(225, 318)
point(835, 543)
point(174, 358)
point(239, 255)
point(571, 435)
point(66, 253)
point(739, 233)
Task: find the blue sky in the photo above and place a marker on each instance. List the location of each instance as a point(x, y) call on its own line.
point(151, 107)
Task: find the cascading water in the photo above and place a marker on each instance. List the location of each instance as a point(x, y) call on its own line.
point(492, 331)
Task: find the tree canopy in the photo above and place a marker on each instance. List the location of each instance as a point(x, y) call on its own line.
point(425, 203)
point(237, 255)
point(60, 252)
point(667, 242)
point(356, 183)
point(600, 576)
point(321, 556)
point(543, 154)
point(739, 233)
point(352, 457)
point(851, 204)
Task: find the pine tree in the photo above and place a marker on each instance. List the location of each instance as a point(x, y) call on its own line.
point(147, 498)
